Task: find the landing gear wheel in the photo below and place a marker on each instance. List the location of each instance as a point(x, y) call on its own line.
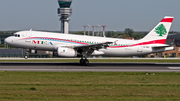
point(86, 62)
point(81, 61)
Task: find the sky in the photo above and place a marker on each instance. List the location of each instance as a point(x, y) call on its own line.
point(140, 15)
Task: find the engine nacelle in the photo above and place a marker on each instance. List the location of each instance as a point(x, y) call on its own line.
point(65, 52)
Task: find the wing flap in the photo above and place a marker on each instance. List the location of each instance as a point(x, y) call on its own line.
point(99, 45)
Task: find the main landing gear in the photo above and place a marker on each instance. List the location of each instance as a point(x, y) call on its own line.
point(84, 61)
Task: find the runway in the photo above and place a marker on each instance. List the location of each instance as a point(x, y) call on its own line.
point(92, 67)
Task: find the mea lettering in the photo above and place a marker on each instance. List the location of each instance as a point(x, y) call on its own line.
point(41, 42)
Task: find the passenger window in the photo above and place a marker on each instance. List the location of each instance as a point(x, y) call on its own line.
point(18, 35)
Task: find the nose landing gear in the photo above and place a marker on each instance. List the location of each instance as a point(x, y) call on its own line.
point(26, 55)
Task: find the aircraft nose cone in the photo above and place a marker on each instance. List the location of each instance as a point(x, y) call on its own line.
point(7, 40)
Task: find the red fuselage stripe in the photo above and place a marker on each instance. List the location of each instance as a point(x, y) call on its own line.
point(162, 41)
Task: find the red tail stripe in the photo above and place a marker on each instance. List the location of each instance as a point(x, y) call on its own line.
point(167, 20)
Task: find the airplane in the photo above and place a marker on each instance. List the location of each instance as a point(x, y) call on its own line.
point(70, 45)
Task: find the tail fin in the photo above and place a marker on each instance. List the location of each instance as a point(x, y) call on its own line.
point(160, 32)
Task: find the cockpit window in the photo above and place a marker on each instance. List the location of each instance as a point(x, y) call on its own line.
point(16, 35)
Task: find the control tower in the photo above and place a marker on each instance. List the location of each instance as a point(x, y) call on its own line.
point(64, 12)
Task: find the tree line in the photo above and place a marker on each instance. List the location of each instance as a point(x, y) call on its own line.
point(127, 33)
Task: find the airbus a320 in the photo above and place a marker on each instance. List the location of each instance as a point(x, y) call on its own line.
point(69, 45)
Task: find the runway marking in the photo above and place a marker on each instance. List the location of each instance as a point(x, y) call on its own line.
point(174, 67)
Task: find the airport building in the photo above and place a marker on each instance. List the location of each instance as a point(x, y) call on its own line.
point(12, 52)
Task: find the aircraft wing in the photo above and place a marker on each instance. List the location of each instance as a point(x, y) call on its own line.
point(98, 46)
point(89, 49)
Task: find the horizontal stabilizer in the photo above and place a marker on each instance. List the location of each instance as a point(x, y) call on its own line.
point(160, 46)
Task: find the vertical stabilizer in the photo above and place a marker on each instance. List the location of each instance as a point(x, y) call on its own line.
point(159, 33)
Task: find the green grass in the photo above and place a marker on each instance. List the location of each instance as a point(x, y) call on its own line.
point(89, 86)
point(102, 60)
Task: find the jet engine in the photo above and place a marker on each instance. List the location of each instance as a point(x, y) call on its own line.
point(65, 52)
